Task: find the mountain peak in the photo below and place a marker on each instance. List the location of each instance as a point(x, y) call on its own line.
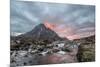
point(42, 32)
point(42, 25)
point(49, 25)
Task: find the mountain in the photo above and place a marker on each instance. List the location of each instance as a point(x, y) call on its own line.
point(41, 32)
point(39, 35)
point(90, 39)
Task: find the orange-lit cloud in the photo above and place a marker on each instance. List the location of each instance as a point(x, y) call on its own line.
point(61, 30)
point(49, 25)
point(67, 31)
point(71, 37)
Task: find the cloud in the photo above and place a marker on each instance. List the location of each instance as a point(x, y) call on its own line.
point(70, 19)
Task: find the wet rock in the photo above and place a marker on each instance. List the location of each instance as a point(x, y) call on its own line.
point(55, 50)
point(23, 58)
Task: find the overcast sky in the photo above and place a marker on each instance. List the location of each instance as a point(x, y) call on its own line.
point(72, 21)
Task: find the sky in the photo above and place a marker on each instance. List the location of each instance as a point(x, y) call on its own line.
point(67, 20)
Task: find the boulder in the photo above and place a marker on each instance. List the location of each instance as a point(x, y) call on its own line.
point(86, 51)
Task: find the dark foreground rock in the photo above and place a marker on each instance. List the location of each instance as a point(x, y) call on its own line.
point(86, 51)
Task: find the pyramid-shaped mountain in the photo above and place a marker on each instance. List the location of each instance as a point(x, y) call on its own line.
point(41, 32)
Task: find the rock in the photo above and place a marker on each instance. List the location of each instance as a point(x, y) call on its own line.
point(86, 51)
point(61, 52)
point(23, 58)
point(61, 45)
point(55, 50)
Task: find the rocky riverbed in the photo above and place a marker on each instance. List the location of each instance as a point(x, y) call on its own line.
point(57, 52)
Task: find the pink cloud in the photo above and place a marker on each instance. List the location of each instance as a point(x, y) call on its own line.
point(67, 31)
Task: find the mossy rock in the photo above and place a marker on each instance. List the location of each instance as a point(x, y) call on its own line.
point(86, 54)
